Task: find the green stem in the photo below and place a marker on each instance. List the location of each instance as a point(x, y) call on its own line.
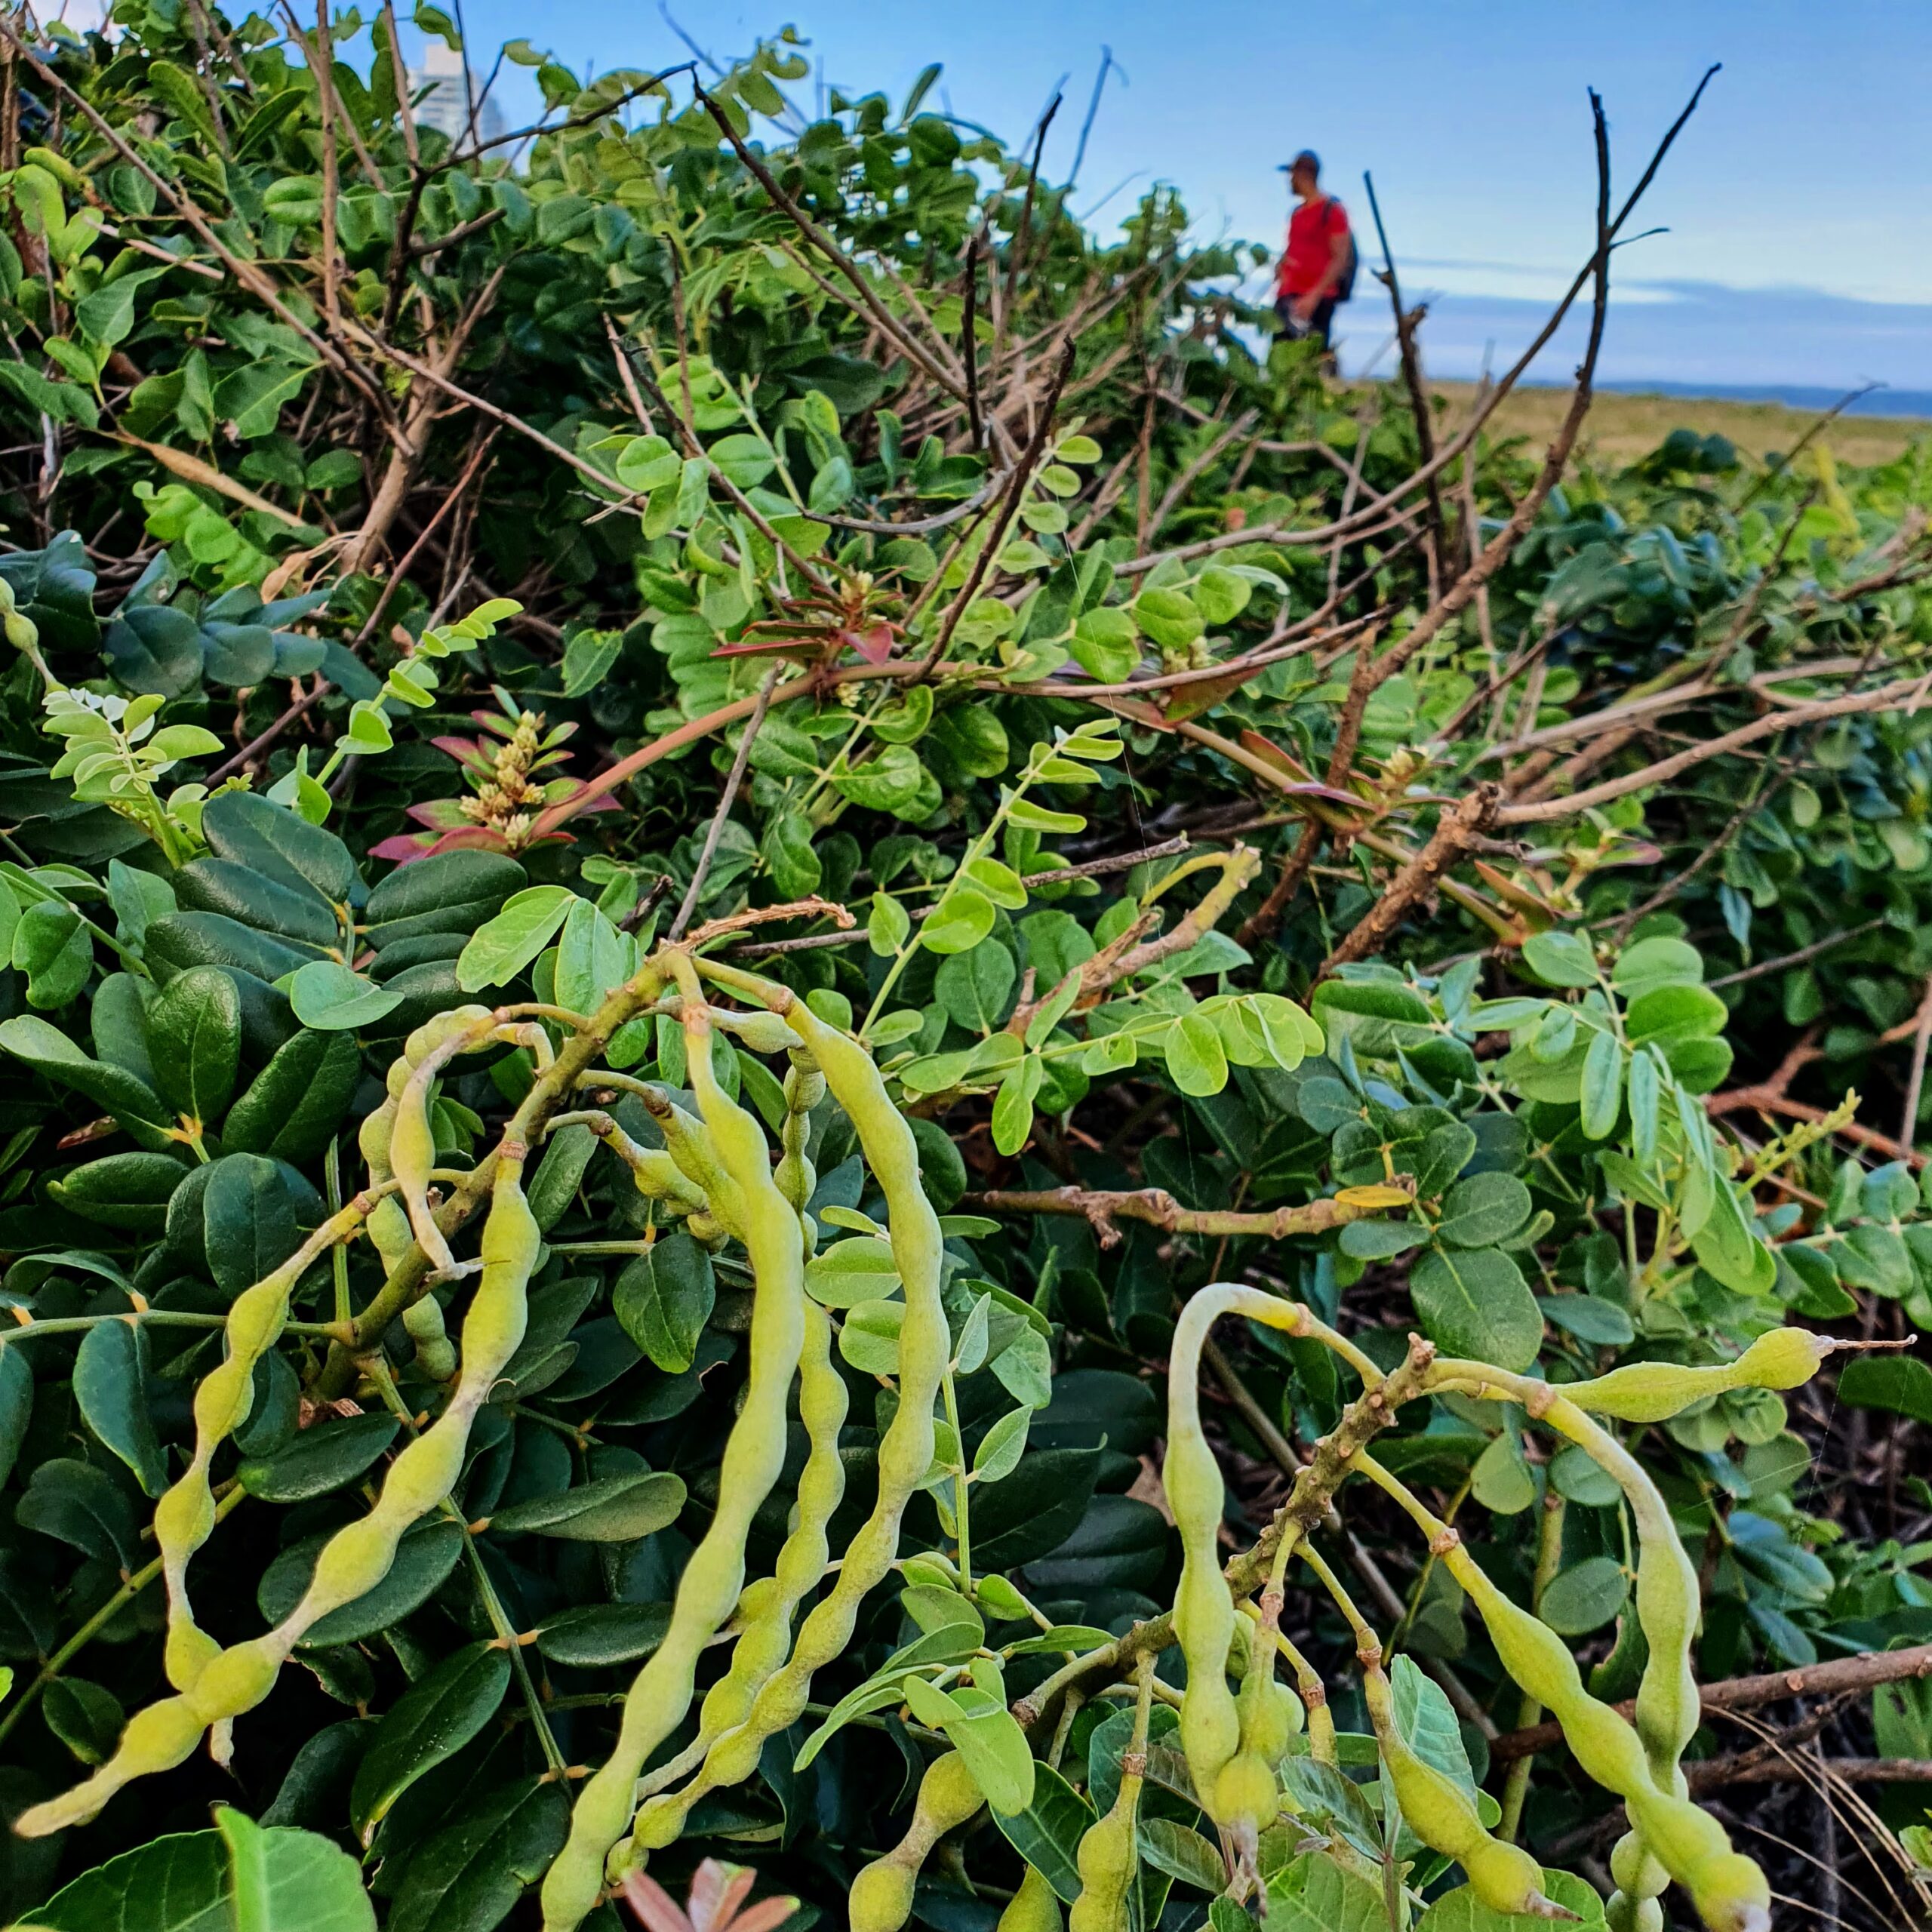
point(345, 1313)
point(961, 1521)
point(160, 1318)
point(492, 1604)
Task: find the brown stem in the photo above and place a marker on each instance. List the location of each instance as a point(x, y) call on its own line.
point(1921, 1039)
point(1158, 1208)
point(1406, 325)
point(887, 323)
point(1903, 692)
point(728, 798)
point(1016, 490)
point(1117, 861)
point(451, 498)
point(1713, 1772)
point(1378, 506)
point(1456, 832)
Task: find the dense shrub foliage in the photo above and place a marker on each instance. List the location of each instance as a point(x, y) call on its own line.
point(899, 811)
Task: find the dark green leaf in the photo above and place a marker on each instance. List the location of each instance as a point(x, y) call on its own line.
point(1476, 1303)
point(85, 1717)
point(468, 1876)
point(607, 1509)
point(595, 1635)
point(82, 1506)
point(322, 1457)
point(111, 1391)
point(296, 1101)
point(255, 831)
point(1584, 1597)
point(1902, 1383)
point(194, 1031)
point(248, 1220)
point(1590, 1318)
point(1484, 1211)
point(433, 1721)
point(128, 1191)
point(16, 1405)
point(664, 1299)
point(1047, 1834)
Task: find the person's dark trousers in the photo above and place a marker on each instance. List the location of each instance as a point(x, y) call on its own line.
point(1318, 325)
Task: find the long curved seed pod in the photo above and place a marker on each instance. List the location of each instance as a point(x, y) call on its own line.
point(390, 1232)
point(906, 1450)
point(687, 1140)
point(766, 1637)
point(805, 1088)
point(754, 1456)
point(653, 1172)
point(1204, 1606)
point(1443, 1816)
point(356, 1558)
point(882, 1895)
point(184, 1518)
point(1668, 1594)
point(412, 1142)
point(1107, 1854)
point(1727, 1888)
point(388, 1223)
point(1034, 1907)
point(1654, 1391)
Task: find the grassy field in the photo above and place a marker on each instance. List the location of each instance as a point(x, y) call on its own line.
point(1621, 426)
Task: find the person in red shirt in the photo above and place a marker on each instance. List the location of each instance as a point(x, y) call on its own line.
point(1315, 266)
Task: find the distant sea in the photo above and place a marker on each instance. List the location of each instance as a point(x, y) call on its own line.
point(1793, 395)
point(1799, 347)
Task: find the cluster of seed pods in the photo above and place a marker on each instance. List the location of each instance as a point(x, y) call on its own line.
point(716, 1170)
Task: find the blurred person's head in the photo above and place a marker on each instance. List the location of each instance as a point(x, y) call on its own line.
point(1304, 174)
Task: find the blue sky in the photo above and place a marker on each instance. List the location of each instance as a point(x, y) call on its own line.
point(1799, 249)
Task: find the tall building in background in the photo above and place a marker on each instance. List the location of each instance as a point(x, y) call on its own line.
point(445, 107)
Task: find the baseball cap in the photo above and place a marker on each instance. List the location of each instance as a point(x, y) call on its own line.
point(1307, 155)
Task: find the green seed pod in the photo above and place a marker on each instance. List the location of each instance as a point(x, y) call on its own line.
point(1034, 1908)
point(388, 1224)
point(805, 1088)
point(906, 1450)
point(881, 1894)
point(1728, 1889)
point(1443, 1816)
point(1633, 1906)
point(1654, 1391)
point(689, 1144)
point(754, 1456)
point(438, 1031)
point(412, 1154)
point(766, 1610)
point(184, 1518)
point(358, 1557)
point(436, 1353)
point(1204, 1610)
point(653, 1172)
point(1624, 1914)
point(762, 1033)
point(1105, 1858)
